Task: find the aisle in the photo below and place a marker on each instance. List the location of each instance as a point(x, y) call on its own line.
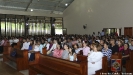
point(7, 70)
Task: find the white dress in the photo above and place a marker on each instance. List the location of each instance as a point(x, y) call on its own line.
point(95, 57)
point(71, 57)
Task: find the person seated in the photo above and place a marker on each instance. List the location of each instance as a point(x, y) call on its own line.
point(120, 45)
point(40, 47)
point(72, 55)
point(114, 47)
point(46, 44)
point(31, 53)
point(65, 52)
point(125, 53)
point(31, 45)
point(86, 49)
point(76, 48)
point(50, 53)
point(95, 59)
point(106, 51)
point(131, 46)
point(74, 41)
point(25, 44)
point(58, 51)
point(15, 40)
point(79, 43)
point(11, 41)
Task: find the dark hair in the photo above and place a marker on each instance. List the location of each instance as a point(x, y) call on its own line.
point(126, 44)
point(73, 51)
point(66, 45)
point(60, 46)
point(76, 45)
point(98, 46)
point(106, 43)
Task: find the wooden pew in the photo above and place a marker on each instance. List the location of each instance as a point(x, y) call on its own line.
point(37, 55)
point(129, 63)
point(44, 50)
point(19, 45)
point(21, 58)
point(104, 66)
point(53, 66)
point(6, 47)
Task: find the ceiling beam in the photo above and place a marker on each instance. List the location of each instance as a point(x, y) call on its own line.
point(56, 7)
point(28, 5)
point(36, 4)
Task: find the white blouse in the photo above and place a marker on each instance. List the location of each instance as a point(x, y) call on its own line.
point(94, 62)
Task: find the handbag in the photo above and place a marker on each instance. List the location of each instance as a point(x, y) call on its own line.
point(48, 52)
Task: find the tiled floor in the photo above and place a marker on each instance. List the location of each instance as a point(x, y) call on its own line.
point(7, 70)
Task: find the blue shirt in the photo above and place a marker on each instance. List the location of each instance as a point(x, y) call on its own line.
point(30, 47)
point(107, 53)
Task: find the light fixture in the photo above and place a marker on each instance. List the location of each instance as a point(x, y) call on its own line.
point(31, 10)
point(66, 4)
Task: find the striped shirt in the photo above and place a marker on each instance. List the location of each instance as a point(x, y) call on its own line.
point(107, 53)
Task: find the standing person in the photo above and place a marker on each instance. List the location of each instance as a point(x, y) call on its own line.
point(65, 52)
point(102, 33)
point(99, 34)
point(86, 49)
point(93, 34)
point(114, 47)
point(95, 60)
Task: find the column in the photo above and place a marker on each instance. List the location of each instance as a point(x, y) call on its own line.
point(52, 21)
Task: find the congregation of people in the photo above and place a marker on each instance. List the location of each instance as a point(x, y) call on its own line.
point(68, 46)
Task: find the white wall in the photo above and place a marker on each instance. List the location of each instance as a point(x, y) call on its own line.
point(98, 14)
point(29, 13)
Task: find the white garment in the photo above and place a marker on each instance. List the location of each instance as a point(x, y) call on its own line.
point(49, 39)
point(46, 45)
point(71, 57)
point(102, 33)
point(2, 42)
point(15, 41)
point(25, 45)
point(10, 41)
point(77, 50)
point(98, 41)
point(36, 48)
point(95, 57)
point(53, 47)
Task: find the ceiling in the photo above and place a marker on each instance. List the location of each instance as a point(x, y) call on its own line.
point(47, 6)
